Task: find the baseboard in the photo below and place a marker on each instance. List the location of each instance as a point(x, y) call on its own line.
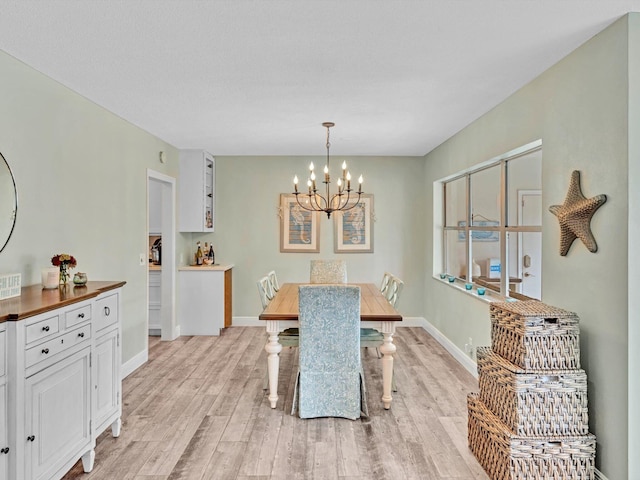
point(247, 322)
point(462, 358)
point(136, 362)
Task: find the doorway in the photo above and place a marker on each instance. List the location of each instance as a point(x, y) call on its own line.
point(530, 243)
point(161, 215)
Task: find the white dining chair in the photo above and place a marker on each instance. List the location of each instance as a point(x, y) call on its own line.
point(328, 271)
point(393, 290)
point(275, 286)
point(265, 291)
point(384, 285)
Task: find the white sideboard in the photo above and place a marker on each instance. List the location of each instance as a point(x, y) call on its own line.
point(205, 299)
point(63, 382)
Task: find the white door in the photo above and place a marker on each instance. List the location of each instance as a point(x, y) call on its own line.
point(530, 244)
point(4, 453)
point(107, 380)
point(58, 412)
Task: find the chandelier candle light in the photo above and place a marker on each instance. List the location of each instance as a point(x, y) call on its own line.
point(316, 202)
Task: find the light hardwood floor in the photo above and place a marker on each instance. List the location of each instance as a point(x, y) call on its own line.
point(197, 410)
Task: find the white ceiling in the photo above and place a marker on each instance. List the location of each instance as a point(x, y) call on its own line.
point(258, 77)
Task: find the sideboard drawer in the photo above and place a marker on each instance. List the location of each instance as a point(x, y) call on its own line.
point(77, 315)
point(42, 329)
point(56, 345)
point(3, 354)
point(106, 312)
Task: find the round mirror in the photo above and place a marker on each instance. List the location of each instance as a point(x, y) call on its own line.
point(8, 202)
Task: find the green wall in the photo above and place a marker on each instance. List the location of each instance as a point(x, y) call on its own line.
point(81, 175)
point(579, 110)
point(248, 226)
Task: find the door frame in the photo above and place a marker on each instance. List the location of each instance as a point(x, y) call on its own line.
point(170, 330)
point(522, 193)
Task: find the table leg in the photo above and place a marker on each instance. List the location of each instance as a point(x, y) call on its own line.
point(273, 348)
point(387, 349)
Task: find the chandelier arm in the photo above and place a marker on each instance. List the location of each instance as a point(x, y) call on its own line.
point(302, 205)
point(343, 209)
point(318, 205)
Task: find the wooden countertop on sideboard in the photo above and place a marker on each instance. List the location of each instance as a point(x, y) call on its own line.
point(34, 300)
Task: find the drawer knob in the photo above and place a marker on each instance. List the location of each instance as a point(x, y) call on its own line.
point(81, 315)
point(31, 438)
point(45, 351)
point(107, 311)
point(81, 334)
point(45, 328)
point(5, 450)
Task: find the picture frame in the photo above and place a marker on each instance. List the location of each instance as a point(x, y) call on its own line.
point(353, 229)
point(299, 228)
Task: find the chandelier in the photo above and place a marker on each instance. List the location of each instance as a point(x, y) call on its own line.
point(328, 203)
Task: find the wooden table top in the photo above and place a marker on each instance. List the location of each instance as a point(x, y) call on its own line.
point(373, 305)
point(34, 300)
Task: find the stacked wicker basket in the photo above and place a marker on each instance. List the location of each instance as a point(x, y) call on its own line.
point(530, 419)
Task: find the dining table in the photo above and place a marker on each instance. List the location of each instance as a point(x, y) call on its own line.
point(375, 312)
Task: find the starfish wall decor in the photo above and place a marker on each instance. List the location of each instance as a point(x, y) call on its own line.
point(575, 215)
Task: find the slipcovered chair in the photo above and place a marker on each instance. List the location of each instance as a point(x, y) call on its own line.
point(328, 271)
point(330, 382)
point(265, 291)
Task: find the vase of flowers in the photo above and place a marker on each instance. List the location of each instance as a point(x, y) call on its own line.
point(65, 262)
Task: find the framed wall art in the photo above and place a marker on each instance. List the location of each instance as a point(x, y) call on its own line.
point(353, 229)
point(299, 228)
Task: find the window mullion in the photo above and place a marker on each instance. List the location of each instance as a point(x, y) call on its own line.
point(504, 246)
point(468, 232)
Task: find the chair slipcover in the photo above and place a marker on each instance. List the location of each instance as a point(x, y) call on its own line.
point(330, 381)
point(328, 271)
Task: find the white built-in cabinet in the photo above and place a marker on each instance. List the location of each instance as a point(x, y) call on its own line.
point(4, 440)
point(205, 299)
point(63, 379)
point(155, 302)
point(196, 190)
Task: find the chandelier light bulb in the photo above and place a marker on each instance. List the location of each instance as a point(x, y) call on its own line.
point(295, 179)
point(344, 165)
point(360, 179)
point(313, 175)
point(311, 167)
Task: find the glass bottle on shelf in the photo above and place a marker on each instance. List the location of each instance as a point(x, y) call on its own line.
point(211, 254)
point(199, 255)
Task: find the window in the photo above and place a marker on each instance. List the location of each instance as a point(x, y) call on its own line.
point(492, 225)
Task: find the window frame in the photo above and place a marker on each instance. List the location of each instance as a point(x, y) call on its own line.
point(503, 229)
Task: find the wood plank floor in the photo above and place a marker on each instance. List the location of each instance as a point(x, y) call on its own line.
point(197, 410)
